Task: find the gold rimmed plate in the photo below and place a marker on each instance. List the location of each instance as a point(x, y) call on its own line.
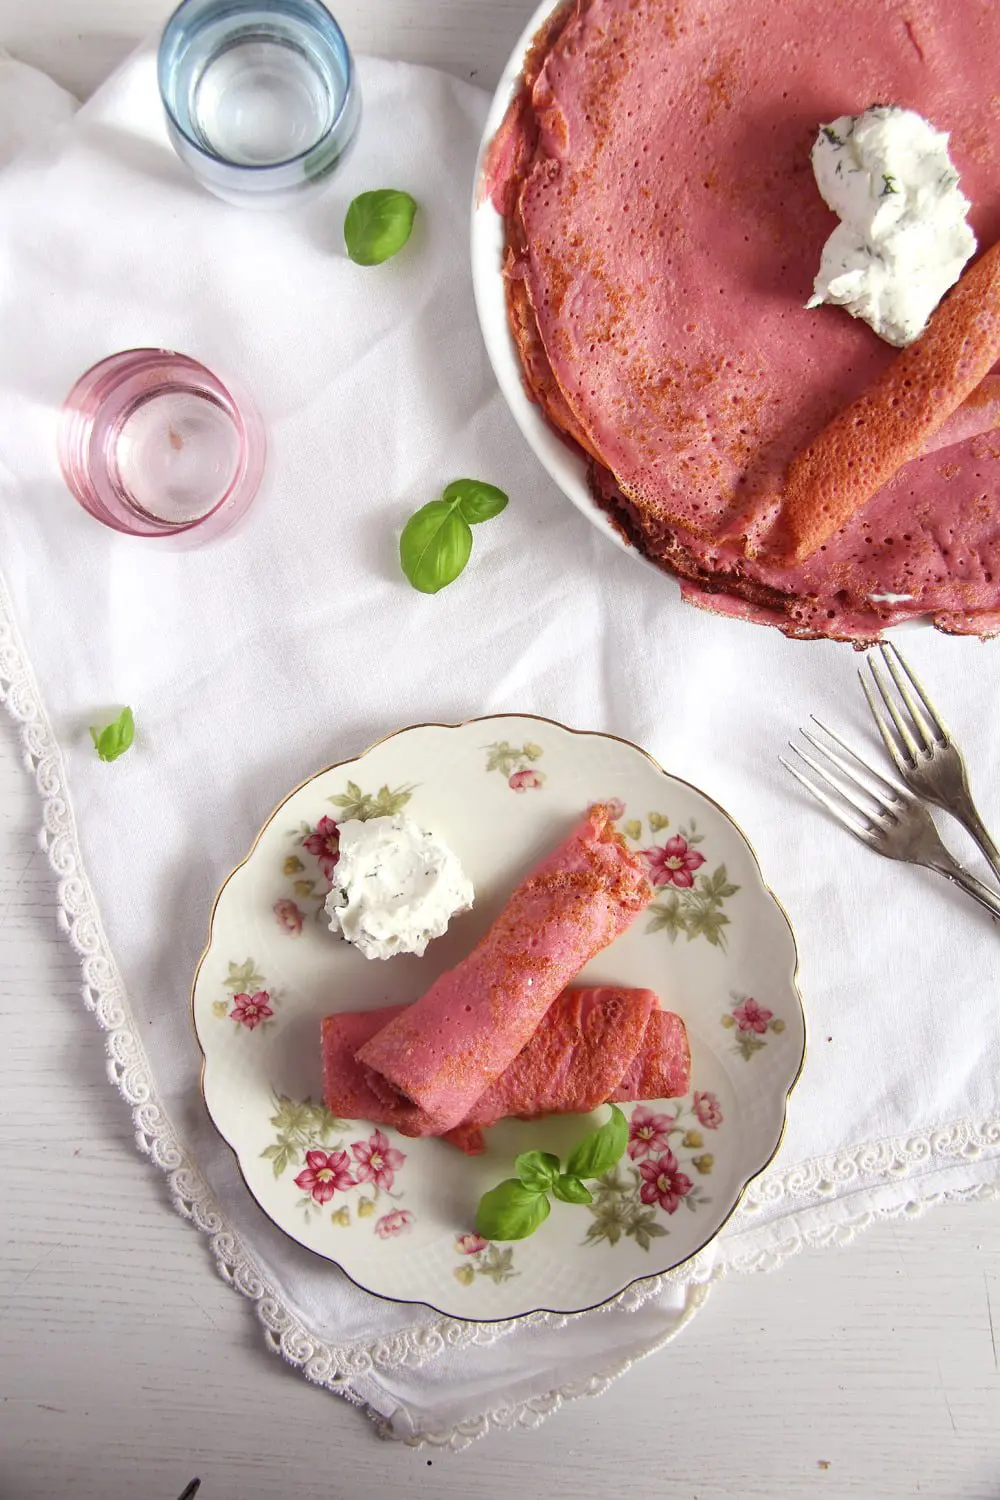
point(397, 1215)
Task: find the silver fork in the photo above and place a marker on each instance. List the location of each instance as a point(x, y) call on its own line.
point(925, 755)
point(892, 821)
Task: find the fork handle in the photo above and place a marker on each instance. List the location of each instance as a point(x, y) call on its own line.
point(975, 825)
point(953, 871)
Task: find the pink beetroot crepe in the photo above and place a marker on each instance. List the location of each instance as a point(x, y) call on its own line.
point(893, 420)
point(444, 1052)
point(664, 228)
point(579, 1058)
point(593, 1045)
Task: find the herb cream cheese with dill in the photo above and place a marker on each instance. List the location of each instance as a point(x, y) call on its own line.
point(395, 886)
point(903, 238)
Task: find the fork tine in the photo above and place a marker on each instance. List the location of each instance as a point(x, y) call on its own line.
point(899, 760)
point(891, 653)
point(923, 729)
point(902, 728)
point(847, 792)
point(838, 760)
point(864, 834)
point(889, 781)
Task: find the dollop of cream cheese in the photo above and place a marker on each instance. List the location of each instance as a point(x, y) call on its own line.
point(903, 238)
point(395, 886)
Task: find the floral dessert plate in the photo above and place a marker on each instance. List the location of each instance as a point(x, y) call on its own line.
point(397, 1215)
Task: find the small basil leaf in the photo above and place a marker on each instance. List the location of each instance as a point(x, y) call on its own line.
point(598, 1151)
point(115, 738)
point(511, 1211)
point(571, 1190)
point(476, 500)
point(434, 546)
point(377, 225)
point(537, 1169)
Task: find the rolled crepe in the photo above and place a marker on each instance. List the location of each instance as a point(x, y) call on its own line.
point(444, 1052)
point(593, 1045)
point(896, 418)
point(580, 1057)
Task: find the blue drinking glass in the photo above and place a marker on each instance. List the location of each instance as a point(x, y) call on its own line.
point(261, 96)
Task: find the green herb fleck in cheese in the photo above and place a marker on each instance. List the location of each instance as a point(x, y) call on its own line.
point(397, 886)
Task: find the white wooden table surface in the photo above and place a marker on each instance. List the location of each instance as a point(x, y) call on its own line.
point(871, 1371)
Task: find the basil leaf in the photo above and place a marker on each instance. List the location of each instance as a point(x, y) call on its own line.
point(435, 546)
point(598, 1151)
point(377, 225)
point(476, 500)
point(511, 1211)
point(436, 541)
point(571, 1189)
point(115, 738)
point(538, 1170)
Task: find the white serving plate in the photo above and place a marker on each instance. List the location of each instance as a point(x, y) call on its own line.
point(567, 468)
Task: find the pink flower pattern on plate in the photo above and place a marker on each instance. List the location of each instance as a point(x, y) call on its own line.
point(470, 1244)
point(708, 1109)
point(521, 781)
point(649, 1133)
point(288, 915)
point(376, 1161)
point(325, 1173)
point(251, 1010)
point(616, 808)
point(398, 1222)
point(324, 843)
point(673, 863)
point(663, 1182)
point(752, 1017)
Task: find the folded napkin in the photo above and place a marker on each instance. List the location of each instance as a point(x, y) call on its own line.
point(31, 105)
point(295, 642)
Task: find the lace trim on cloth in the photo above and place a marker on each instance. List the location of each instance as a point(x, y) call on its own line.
point(325, 1365)
point(104, 995)
point(529, 1414)
point(525, 1415)
point(893, 1158)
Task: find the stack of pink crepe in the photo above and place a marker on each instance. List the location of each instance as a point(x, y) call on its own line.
point(663, 231)
point(501, 1034)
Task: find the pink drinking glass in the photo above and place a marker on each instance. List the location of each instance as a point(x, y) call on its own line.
point(153, 444)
